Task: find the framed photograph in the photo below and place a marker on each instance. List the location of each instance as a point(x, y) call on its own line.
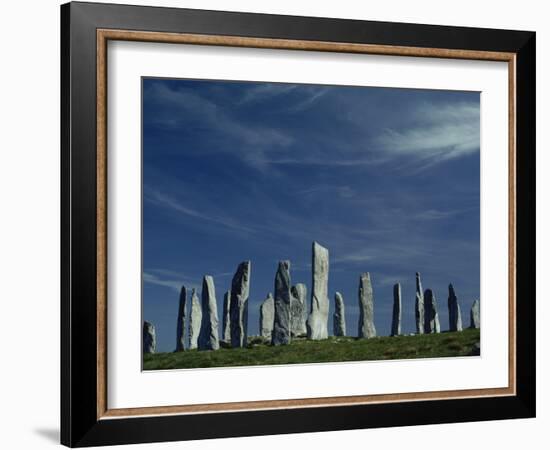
point(276, 224)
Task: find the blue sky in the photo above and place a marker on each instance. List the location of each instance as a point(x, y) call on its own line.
point(387, 179)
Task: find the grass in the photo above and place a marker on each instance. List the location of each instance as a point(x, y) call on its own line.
point(333, 349)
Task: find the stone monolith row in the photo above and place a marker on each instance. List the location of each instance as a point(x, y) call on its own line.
point(455, 316)
point(149, 337)
point(226, 324)
point(195, 320)
point(208, 336)
point(267, 317)
point(419, 306)
point(366, 308)
point(431, 316)
point(396, 314)
point(281, 325)
point(317, 323)
point(474, 315)
point(240, 287)
point(180, 327)
point(339, 317)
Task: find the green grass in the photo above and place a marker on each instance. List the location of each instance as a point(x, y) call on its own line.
point(333, 349)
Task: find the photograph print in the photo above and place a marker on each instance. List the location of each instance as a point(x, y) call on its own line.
point(296, 223)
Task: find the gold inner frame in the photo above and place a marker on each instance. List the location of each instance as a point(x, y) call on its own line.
point(104, 35)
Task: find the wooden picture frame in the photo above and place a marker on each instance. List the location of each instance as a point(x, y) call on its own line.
point(86, 418)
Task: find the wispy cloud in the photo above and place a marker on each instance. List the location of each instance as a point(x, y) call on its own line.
point(343, 191)
point(298, 98)
point(441, 132)
point(260, 92)
point(313, 94)
point(390, 279)
point(250, 142)
point(169, 283)
point(174, 280)
point(417, 138)
point(436, 214)
point(158, 198)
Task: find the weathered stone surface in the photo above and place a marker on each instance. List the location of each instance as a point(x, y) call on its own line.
point(339, 317)
point(431, 316)
point(180, 326)
point(455, 315)
point(195, 320)
point(226, 326)
point(419, 306)
point(396, 316)
point(267, 317)
point(149, 337)
point(317, 323)
point(474, 315)
point(299, 291)
point(281, 325)
point(240, 287)
point(366, 308)
point(208, 336)
point(297, 310)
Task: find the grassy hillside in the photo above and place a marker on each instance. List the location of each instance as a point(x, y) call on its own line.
point(331, 350)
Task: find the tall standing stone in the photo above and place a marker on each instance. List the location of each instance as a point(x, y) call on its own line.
point(455, 316)
point(474, 315)
point(317, 323)
point(299, 291)
point(366, 307)
point(419, 306)
point(208, 336)
point(149, 337)
point(238, 308)
point(267, 317)
point(297, 306)
point(195, 320)
point(226, 327)
point(180, 327)
point(282, 323)
point(431, 316)
point(339, 317)
point(396, 316)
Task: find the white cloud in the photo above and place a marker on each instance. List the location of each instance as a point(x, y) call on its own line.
point(441, 132)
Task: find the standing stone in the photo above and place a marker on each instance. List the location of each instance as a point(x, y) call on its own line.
point(267, 317)
point(396, 316)
point(339, 317)
point(149, 337)
point(282, 323)
point(366, 308)
point(317, 323)
point(226, 327)
point(297, 306)
point(208, 336)
point(238, 307)
point(299, 291)
point(419, 306)
point(180, 328)
point(474, 315)
point(195, 320)
point(431, 316)
point(455, 316)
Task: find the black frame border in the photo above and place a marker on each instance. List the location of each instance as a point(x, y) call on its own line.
point(79, 423)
